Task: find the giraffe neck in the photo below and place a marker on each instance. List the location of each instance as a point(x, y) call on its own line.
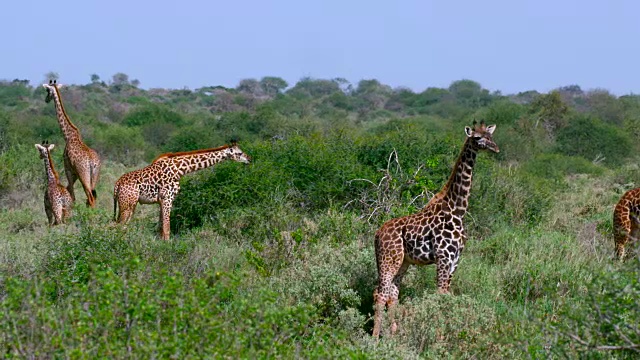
point(188, 162)
point(52, 175)
point(458, 188)
point(69, 130)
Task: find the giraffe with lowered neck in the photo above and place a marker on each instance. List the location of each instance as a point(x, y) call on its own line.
point(80, 161)
point(57, 200)
point(159, 182)
point(626, 222)
point(434, 235)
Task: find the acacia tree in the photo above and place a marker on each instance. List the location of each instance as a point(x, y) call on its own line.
point(470, 93)
point(551, 110)
point(606, 106)
point(250, 87)
point(51, 75)
point(272, 86)
point(119, 79)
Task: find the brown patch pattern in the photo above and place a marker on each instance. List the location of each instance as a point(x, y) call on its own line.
point(435, 235)
point(57, 200)
point(80, 161)
point(159, 182)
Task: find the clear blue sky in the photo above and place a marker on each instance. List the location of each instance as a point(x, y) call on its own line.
point(506, 45)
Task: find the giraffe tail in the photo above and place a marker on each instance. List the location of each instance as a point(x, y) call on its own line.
point(92, 170)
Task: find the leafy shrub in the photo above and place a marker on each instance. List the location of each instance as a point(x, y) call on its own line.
point(22, 168)
point(119, 143)
point(166, 315)
point(446, 326)
point(593, 139)
point(556, 167)
point(312, 173)
point(605, 325)
point(150, 113)
point(507, 195)
point(503, 112)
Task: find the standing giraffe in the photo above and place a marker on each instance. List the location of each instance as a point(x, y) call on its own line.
point(57, 200)
point(80, 161)
point(159, 182)
point(433, 235)
point(626, 221)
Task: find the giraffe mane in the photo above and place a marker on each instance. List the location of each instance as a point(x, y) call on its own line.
point(64, 112)
point(53, 169)
point(452, 176)
point(201, 151)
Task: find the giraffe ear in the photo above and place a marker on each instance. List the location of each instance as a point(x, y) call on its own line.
point(51, 146)
point(39, 147)
point(468, 131)
point(491, 129)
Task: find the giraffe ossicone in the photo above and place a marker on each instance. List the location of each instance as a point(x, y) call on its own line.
point(434, 235)
point(80, 161)
point(57, 200)
point(159, 182)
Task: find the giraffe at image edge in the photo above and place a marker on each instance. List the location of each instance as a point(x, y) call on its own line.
point(159, 182)
point(434, 235)
point(57, 200)
point(626, 222)
point(80, 161)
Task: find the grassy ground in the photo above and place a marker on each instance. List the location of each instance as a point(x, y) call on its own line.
point(280, 283)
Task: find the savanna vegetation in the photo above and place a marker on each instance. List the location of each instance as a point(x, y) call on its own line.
point(276, 260)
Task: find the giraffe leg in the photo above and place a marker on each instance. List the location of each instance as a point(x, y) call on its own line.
point(634, 235)
point(48, 210)
point(66, 213)
point(165, 220)
point(621, 238)
point(620, 253)
point(379, 304)
point(391, 303)
point(85, 180)
point(125, 211)
point(57, 213)
point(71, 178)
point(444, 266)
point(389, 265)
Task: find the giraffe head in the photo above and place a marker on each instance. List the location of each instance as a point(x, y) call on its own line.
point(51, 87)
point(481, 136)
point(44, 149)
point(234, 153)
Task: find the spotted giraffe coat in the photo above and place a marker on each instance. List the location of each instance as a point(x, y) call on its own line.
point(80, 161)
point(159, 182)
point(57, 200)
point(626, 222)
point(434, 235)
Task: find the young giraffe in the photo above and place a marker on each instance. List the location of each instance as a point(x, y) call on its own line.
point(57, 200)
point(159, 182)
point(80, 161)
point(626, 221)
point(434, 235)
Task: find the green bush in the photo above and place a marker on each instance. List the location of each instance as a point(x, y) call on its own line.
point(150, 113)
point(311, 173)
point(605, 324)
point(555, 167)
point(121, 144)
point(446, 326)
point(593, 139)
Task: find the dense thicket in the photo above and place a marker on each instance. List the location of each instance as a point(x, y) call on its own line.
point(279, 253)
